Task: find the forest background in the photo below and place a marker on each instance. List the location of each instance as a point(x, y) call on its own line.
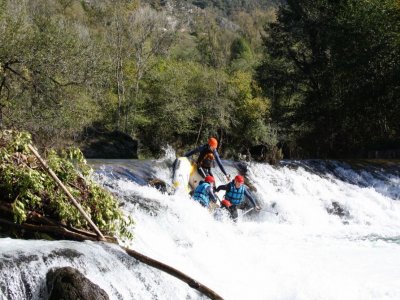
point(314, 78)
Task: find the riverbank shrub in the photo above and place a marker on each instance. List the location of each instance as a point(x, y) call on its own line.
point(25, 184)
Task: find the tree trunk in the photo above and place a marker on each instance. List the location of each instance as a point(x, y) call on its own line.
point(201, 127)
point(119, 75)
point(3, 81)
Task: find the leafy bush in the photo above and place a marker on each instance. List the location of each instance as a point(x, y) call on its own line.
point(25, 184)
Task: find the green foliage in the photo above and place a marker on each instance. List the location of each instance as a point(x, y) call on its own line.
point(331, 70)
point(241, 55)
point(160, 76)
point(181, 99)
point(186, 101)
point(185, 48)
point(251, 26)
point(230, 6)
point(47, 66)
point(252, 111)
point(29, 188)
point(213, 42)
point(240, 49)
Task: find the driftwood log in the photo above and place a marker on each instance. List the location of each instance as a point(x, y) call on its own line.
point(174, 272)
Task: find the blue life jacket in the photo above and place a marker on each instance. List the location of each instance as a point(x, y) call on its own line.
point(235, 196)
point(201, 194)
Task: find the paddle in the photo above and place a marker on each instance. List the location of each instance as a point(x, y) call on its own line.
point(246, 212)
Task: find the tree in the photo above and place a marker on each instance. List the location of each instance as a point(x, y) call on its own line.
point(250, 125)
point(118, 37)
point(46, 66)
point(241, 55)
point(329, 69)
point(213, 42)
point(252, 25)
point(185, 102)
point(240, 49)
point(151, 34)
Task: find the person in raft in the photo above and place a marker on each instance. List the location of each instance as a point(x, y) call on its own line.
point(204, 192)
point(207, 157)
point(234, 196)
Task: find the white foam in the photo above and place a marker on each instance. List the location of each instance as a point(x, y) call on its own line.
point(302, 253)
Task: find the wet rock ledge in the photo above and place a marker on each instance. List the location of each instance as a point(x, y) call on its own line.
point(69, 284)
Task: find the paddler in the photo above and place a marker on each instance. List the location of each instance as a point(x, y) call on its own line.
point(234, 196)
point(207, 157)
point(204, 192)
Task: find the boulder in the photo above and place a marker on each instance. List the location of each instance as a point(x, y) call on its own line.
point(69, 284)
point(266, 153)
point(108, 144)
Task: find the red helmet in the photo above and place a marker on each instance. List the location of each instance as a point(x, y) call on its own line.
point(213, 142)
point(209, 179)
point(226, 203)
point(239, 179)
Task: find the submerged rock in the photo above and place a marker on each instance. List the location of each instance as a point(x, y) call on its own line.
point(159, 184)
point(148, 205)
point(69, 284)
point(338, 210)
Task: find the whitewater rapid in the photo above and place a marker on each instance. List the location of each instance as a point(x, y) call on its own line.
point(327, 231)
point(302, 253)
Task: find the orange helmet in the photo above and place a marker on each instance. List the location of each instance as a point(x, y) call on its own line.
point(209, 179)
point(213, 142)
point(239, 179)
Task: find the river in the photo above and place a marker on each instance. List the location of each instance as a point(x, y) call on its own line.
point(327, 230)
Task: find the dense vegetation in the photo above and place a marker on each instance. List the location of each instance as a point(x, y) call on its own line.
point(229, 6)
point(321, 80)
point(29, 192)
point(332, 71)
point(120, 65)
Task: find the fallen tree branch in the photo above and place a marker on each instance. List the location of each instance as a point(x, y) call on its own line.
point(37, 218)
point(56, 230)
point(174, 272)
